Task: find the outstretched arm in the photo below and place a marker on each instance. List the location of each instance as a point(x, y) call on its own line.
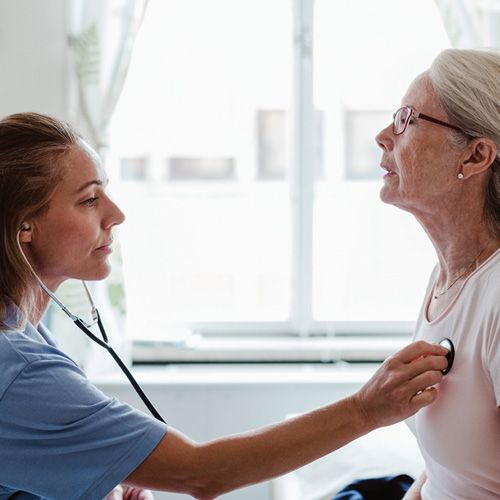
point(401, 386)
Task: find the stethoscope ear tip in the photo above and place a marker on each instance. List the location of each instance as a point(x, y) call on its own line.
point(450, 356)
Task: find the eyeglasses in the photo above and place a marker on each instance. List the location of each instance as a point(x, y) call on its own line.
point(402, 117)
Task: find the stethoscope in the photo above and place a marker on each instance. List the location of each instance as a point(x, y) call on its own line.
point(85, 326)
point(450, 355)
point(104, 343)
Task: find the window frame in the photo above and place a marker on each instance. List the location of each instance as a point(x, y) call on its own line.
point(344, 338)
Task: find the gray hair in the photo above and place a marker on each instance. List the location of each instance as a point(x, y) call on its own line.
point(468, 85)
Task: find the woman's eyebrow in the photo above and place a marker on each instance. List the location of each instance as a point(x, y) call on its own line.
point(96, 182)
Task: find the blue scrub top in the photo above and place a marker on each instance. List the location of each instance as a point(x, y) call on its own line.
point(60, 437)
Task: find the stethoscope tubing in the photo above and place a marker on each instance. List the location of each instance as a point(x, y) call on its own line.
point(85, 329)
point(104, 344)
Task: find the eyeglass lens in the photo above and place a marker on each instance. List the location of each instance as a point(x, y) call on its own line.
point(400, 118)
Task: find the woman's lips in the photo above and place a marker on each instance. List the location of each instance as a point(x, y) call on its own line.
point(388, 171)
point(106, 248)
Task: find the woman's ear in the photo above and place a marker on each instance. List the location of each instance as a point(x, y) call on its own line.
point(479, 154)
point(25, 233)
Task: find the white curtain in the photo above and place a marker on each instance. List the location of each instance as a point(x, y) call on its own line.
point(101, 35)
point(471, 23)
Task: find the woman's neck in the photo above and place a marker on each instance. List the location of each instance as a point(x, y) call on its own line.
point(462, 239)
point(42, 300)
point(42, 304)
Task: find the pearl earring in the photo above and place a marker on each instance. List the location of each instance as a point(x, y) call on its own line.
point(460, 176)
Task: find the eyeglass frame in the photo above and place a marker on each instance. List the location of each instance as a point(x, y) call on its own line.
point(417, 114)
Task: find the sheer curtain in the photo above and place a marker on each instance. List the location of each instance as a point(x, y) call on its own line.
point(471, 23)
point(101, 35)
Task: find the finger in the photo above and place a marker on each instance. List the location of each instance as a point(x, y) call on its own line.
point(424, 381)
point(134, 493)
point(423, 398)
point(130, 493)
point(143, 494)
point(428, 363)
point(418, 349)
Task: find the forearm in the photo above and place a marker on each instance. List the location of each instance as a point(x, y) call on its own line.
point(257, 456)
point(216, 467)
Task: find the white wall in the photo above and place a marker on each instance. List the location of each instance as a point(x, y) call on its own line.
point(211, 401)
point(33, 56)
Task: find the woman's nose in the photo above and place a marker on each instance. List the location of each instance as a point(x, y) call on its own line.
point(384, 138)
point(120, 216)
point(114, 216)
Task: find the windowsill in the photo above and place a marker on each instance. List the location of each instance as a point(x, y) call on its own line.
point(199, 349)
point(243, 374)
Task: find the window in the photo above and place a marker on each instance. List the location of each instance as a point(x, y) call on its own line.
point(271, 128)
point(371, 261)
point(249, 173)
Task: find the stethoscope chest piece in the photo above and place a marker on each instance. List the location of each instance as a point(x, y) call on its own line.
point(450, 356)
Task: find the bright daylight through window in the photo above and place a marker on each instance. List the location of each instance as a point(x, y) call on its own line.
point(221, 233)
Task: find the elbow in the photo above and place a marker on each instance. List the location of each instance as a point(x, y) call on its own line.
point(183, 466)
point(211, 477)
point(208, 488)
point(206, 491)
point(201, 494)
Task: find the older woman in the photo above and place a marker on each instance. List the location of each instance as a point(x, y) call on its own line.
point(442, 159)
point(62, 438)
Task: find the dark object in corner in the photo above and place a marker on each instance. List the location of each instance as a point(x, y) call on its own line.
point(380, 488)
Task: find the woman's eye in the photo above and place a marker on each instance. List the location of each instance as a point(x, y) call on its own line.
point(90, 202)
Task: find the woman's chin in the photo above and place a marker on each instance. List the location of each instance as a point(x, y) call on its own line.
point(397, 201)
point(387, 196)
point(99, 274)
point(103, 274)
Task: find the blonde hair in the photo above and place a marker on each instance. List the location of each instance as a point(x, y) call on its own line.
point(31, 148)
point(468, 85)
